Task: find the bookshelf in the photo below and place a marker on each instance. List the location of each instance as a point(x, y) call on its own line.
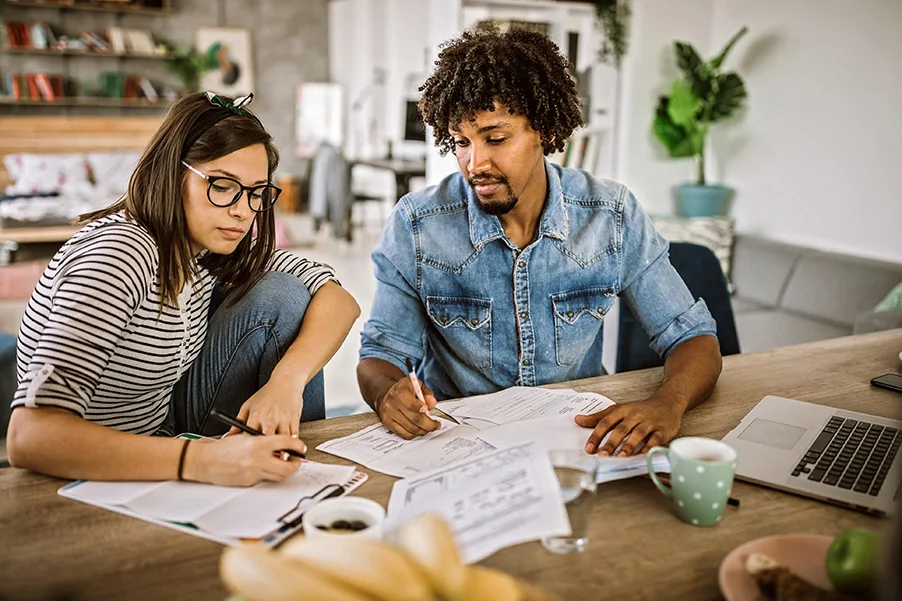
point(29, 82)
point(89, 101)
point(49, 52)
point(161, 8)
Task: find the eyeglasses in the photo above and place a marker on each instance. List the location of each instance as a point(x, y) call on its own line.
point(225, 191)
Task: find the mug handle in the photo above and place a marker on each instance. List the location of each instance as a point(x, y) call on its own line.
point(651, 472)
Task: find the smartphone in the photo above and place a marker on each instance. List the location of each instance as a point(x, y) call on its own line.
point(889, 381)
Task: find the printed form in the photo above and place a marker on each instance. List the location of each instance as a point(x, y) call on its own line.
point(504, 498)
point(489, 422)
point(378, 448)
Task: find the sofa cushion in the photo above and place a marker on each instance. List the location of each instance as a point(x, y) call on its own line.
point(761, 268)
point(836, 288)
point(763, 330)
point(877, 321)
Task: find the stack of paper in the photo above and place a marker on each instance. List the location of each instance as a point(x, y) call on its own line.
point(503, 498)
point(489, 422)
point(220, 513)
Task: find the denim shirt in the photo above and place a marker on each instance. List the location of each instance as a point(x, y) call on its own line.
point(477, 314)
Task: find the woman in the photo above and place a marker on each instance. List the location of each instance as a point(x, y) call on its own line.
point(116, 343)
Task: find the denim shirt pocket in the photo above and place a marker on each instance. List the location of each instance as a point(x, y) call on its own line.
point(577, 321)
point(466, 326)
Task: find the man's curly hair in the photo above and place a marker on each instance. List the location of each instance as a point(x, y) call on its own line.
point(521, 69)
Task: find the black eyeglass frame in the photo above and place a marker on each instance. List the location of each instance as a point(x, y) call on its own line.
point(212, 179)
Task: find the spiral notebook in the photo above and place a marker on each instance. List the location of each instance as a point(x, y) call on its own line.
point(268, 512)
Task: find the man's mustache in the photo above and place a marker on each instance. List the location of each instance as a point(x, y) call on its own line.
point(481, 180)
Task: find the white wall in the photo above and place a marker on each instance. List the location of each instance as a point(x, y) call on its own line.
point(816, 157)
point(647, 72)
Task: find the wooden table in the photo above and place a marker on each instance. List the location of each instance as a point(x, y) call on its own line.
point(638, 549)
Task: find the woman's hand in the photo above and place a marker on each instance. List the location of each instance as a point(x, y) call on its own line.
point(241, 460)
point(274, 409)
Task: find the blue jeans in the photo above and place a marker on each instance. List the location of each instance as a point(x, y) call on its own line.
point(244, 343)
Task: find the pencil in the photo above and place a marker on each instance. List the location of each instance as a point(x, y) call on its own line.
point(417, 389)
point(231, 421)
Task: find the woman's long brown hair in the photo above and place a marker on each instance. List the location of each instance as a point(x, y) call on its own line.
point(196, 131)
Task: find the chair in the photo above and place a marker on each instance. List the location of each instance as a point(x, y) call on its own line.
point(704, 277)
point(331, 197)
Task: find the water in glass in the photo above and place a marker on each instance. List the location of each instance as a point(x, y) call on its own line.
point(578, 488)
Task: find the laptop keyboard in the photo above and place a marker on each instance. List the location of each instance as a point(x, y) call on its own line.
point(851, 454)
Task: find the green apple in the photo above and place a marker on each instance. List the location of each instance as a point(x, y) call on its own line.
point(852, 561)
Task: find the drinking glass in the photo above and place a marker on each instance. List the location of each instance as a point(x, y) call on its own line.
point(576, 473)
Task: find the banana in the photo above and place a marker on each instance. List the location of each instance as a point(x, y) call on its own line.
point(258, 574)
point(485, 584)
point(374, 568)
point(430, 543)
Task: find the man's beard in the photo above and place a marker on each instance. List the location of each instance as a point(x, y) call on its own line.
point(498, 207)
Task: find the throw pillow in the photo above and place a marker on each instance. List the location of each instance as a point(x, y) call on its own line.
point(42, 173)
point(112, 170)
point(892, 300)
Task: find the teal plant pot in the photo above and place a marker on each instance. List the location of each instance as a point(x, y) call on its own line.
point(694, 200)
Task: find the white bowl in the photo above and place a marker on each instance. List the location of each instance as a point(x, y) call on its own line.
point(346, 508)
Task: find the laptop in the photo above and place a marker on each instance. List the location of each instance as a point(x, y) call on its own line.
point(843, 457)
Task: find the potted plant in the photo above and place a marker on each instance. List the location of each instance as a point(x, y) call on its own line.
point(702, 96)
point(612, 17)
point(188, 65)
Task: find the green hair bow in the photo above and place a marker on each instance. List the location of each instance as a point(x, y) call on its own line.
point(235, 107)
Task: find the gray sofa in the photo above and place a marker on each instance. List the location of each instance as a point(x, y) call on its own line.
point(786, 294)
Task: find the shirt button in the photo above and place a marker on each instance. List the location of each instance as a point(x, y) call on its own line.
point(443, 318)
point(521, 264)
point(569, 313)
point(474, 321)
point(527, 362)
point(601, 309)
point(523, 314)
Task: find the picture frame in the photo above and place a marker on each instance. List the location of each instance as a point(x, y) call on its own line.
point(230, 50)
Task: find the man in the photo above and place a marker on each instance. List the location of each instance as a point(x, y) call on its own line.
point(501, 275)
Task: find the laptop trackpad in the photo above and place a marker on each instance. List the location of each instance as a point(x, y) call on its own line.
point(773, 434)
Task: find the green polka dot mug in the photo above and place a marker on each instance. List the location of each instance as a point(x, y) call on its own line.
point(701, 475)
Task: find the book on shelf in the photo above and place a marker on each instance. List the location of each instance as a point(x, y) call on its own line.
point(34, 86)
point(116, 35)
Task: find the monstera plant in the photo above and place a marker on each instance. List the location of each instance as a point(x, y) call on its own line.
point(704, 95)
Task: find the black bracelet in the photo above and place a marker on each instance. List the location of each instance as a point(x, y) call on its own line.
point(182, 459)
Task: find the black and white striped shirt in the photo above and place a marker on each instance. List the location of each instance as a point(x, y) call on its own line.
point(93, 340)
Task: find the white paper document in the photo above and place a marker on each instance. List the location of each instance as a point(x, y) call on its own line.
point(222, 513)
point(561, 432)
point(380, 449)
point(503, 498)
point(524, 403)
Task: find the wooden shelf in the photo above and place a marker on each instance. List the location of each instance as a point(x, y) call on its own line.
point(91, 101)
point(49, 52)
point(107, 8)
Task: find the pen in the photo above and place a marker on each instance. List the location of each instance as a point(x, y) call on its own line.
point(417, 389)
point(231, 421)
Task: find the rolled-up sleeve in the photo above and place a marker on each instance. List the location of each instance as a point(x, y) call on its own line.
point(396, 328)
point(94, 296)
point(311, 273)
point(653, 289)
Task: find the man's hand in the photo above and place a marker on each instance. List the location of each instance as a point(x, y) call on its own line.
point(645, 424)
point(403, 413)
point(274, 409)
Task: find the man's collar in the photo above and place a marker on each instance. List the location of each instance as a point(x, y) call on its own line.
point(554, 222)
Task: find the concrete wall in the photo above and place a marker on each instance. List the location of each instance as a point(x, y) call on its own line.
point(290, 46)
